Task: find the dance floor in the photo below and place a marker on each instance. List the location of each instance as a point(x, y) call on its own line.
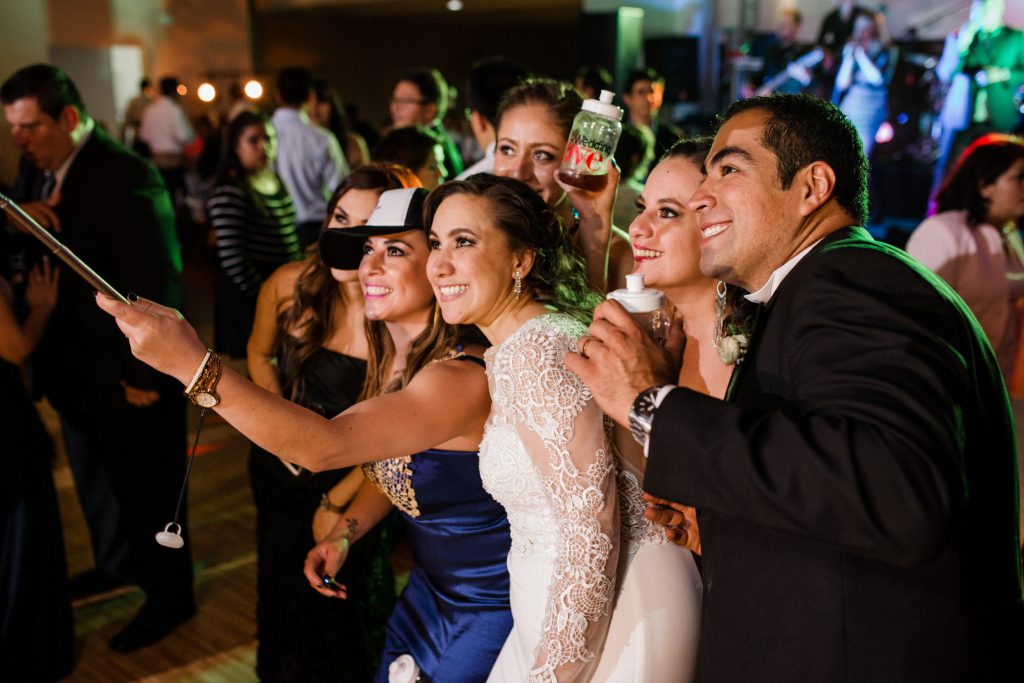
point(218, 644)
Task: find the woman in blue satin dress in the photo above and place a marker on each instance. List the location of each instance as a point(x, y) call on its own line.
point(426, 401)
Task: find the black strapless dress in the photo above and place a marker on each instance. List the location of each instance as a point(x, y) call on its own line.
point(304, 636)
point(37, 635)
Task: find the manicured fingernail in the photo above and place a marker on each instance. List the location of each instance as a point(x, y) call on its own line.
point(319, 585)
point(133, 297)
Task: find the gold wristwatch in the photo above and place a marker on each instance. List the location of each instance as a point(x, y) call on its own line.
point(202, 389)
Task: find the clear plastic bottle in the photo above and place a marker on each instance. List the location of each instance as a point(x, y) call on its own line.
point(595, 132)
point(647, 306)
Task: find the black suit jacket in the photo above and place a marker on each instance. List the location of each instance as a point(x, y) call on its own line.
point(857, 496)
point(116, 215)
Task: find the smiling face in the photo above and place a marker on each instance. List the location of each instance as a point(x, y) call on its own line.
point(352, 209)
point(529, 148)
point(394, 278)
point(471, 266)
point(255, 147)
point(1005, 196)
point(748, 223)
point(664, 235)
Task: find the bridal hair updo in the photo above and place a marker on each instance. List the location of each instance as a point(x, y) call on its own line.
point(558, 276)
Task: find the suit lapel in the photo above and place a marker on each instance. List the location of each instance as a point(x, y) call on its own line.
point(830, 241)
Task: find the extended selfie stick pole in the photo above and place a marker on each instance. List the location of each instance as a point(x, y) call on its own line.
point(29, 225)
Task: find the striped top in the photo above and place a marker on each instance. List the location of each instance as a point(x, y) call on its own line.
point(253, 239)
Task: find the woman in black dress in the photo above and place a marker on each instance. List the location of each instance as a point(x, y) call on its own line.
point(36, 630)
point(308, 345)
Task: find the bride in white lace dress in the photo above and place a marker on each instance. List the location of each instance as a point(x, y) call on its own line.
point(597, 593)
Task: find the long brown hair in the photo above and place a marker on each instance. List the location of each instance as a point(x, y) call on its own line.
point(432, 344)
point(308, 321)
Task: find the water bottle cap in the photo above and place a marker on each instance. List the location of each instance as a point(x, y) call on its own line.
point(636, 298)
point(604, 107)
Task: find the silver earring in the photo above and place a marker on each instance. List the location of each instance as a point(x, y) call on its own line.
point(721, 290)
point(517, 289)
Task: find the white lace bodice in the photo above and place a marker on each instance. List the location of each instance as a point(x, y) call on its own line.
point(547, 458)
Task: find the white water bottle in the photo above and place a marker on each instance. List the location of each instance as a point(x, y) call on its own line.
point(647, 306)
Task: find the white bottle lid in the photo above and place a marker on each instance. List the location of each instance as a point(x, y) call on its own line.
point(604, 106)
point(636, 298)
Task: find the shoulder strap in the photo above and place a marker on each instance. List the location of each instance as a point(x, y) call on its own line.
point(475, 359)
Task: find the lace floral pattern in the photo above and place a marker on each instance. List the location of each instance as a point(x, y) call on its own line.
point(394, 479)
point(547, 459)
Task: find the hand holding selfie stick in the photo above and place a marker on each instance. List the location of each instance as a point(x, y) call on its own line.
point(170, 537)
point(29, 225)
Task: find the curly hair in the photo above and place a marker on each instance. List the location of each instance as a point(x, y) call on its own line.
point(980, 165)
point(307, 322)
point(558, 276)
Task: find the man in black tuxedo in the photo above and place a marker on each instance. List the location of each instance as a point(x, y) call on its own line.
point(122, 421)
point(856, 491)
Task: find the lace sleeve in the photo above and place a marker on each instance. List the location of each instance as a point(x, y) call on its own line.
point(562, 429)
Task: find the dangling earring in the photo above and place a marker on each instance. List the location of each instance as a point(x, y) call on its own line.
point(517, 289)
point(721, 290)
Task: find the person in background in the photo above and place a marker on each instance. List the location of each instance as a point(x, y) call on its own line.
point(308, 345)
point(253, 219)
point(781, 52)
point(112, 209)
point(327, 110)
point(643, 94)
point(133, 118)
point(37, 638)
point(309, 159)
point(488, 81)
point(983, 63)
point(634, 154)
point(167, 133)
point(420, 98)
point(419, 150)
point(862, 83)
point(591, 80)
point(974, 244)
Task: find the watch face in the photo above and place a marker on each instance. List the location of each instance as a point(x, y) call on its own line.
point(206, 399)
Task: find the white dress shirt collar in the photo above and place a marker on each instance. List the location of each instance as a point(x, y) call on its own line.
point(763, 295)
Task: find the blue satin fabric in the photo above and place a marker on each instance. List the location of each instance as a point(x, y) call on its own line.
point(454, 616)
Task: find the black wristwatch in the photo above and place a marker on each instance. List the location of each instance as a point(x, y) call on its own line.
point(641, 415)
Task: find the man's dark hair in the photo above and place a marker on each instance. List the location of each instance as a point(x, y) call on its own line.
point(488, 80)
point(144, 83)
point(635, 77)
point(294, 84)
point(802, 129)
point(595, 78)
point(432, 86)
point(169, 86)
point(51, 86)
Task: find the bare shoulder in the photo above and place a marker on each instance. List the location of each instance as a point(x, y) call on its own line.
point(282, 281)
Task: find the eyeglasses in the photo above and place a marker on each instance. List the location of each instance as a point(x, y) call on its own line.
point(407, 100)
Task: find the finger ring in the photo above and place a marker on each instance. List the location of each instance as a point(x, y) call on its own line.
point(583, 349)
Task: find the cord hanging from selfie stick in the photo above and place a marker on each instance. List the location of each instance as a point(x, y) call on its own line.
point(170, 537)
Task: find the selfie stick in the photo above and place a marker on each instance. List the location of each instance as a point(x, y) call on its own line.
point(170, 537)
point(29, 225)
